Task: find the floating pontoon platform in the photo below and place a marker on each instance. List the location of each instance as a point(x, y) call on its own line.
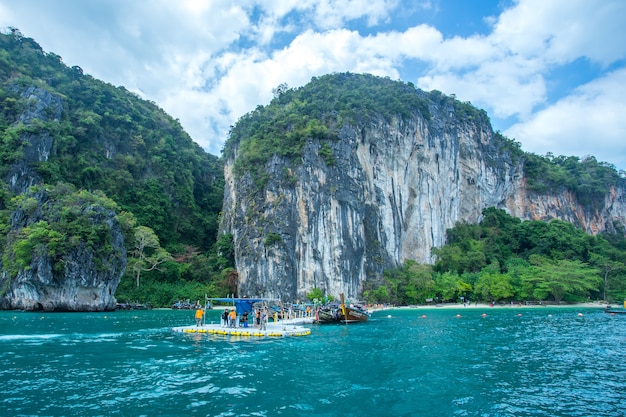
point(280, 329)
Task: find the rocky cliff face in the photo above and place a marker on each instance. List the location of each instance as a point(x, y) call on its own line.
point(85, 279)
point(41, 106)
point(394, 189)
point(564, 206)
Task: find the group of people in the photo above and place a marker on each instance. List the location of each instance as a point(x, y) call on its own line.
point(231, 319)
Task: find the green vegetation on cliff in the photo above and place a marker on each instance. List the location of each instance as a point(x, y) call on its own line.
point(61, 220)
point(587, 178)
point(503, 259)
point(321, 108)
point(317, 110)
point(109, 142)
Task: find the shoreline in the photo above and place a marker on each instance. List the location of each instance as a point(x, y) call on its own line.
point(482, 306)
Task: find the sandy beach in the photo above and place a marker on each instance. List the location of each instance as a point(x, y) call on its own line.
point(460, 306)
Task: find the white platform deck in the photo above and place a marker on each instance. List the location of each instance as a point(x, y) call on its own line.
point(291, 327)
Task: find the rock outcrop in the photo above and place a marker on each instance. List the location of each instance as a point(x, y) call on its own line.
point(36, 147)
point(395, 187)
point(83, 279)
point(86, 277)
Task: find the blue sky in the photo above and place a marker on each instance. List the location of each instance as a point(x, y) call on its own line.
point(551, 74)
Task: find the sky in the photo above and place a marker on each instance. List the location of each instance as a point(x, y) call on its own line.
point(551, 74)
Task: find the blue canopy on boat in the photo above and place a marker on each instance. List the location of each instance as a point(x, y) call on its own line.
point(242, 305)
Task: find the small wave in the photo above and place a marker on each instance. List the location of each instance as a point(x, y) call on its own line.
point(12, 337)
point(97, 337)
point(72, 337)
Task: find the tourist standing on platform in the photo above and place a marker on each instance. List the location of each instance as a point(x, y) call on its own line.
point(244, 318)
point(263, 319)
point(232, 318)
point(199, 315)
point(257, 318)
point(225, 318)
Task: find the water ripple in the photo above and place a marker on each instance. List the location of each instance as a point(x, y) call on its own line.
point(543, 363)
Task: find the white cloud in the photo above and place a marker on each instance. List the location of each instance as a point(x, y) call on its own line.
point(331, 14)
point(588, 122)
point(505, 71)
point(209, 62)
point(248, 78)
point(502, 72)
point(563, 30)
point(505, 87)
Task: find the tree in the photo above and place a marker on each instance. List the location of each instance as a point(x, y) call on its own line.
point(147, 254)
point(393, 280)
point(420, 284)
point(607, 267)
point(230, 280)
point(494, 286)
point(225, 251)
point(316, 294)
point(447, 285)
point(379, 295)
point(449, 258)
point(39, 238)
point(562, 278)
point(280, 89)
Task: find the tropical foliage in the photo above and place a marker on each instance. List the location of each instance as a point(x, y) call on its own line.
point(316, 111)
point(587, 178)
point(503, 259)
point(110, 140)
point(111, 145)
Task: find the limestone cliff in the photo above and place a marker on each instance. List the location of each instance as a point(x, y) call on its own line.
point(378, 191)
point(80, 275)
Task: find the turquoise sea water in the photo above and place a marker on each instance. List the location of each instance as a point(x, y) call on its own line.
point(546, 362)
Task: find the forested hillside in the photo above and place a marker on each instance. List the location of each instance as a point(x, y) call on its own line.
point(106, 139)
point(503, 259)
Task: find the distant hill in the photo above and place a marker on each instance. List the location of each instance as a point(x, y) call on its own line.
point(106, 138)
point(97, 185)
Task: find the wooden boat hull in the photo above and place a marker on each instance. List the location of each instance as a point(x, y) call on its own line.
point(353, 315)
point(328, 315)
point(342, 313)
point(612, 310)
point(615, 311)
point(336, 315)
